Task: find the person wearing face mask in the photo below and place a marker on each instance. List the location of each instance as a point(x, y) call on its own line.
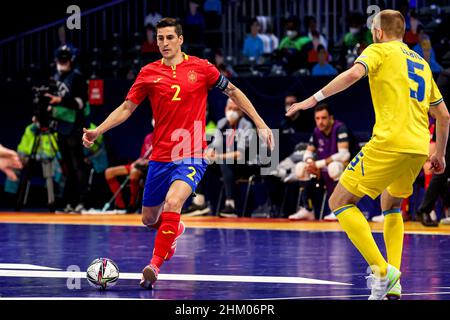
point(69, 109)
point(228, 149)
point(357, 33)
point(293, 48)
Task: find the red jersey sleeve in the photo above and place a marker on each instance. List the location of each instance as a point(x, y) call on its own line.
point(212, 74)
point(140, 88)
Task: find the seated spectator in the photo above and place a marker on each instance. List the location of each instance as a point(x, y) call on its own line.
point(313, 33)
point(293, 48)
point(358, 33)
point(231, 141)
point(293, 40)
point(290, 129)
point(425, 50)
point(253, 45)
point(313, 53)
point(323, 67)
point(325, 158)
point(149, 45)
point(270, 41)
point(135, 171)
point(301, 121)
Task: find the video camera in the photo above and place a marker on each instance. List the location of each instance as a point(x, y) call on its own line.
point(41, 104)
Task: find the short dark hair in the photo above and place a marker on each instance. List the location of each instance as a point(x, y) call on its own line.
point(170, 22)
point(323, 106)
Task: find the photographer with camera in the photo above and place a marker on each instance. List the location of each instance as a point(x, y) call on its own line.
point(70, 111)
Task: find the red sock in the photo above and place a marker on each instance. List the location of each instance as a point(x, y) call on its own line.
point(134, 189)
point(427, 180)
point(114, 186)
point(165, 236)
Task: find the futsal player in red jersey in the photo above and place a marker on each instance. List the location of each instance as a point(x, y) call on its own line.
point(177, 87)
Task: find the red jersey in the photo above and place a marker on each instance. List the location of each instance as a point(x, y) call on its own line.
point(177, 96)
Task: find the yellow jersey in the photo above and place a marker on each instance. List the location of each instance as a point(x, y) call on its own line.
point(402, 90)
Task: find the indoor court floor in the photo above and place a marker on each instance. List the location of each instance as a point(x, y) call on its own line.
point(46, 256)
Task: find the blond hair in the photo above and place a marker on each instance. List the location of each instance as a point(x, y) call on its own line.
point(391, 22)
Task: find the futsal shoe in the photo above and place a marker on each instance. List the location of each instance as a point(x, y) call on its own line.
point(149, 276)
point(228, 212)
point(181, 229)
point(330, 217)
point(303, 214)
point(381, 286)
point(379, 218)
point(395, 293)
point(427, 219)
point(196, 210)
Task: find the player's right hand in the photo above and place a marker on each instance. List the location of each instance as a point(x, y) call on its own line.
point(437, 164)
point(303, 105)
point(89, 137)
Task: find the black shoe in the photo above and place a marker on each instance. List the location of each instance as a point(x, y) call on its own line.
point(196, 210)
point(228, 212)
point(427, 221)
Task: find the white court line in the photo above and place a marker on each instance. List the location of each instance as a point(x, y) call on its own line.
point(22, 266)
point(173, 277)
point(356, 296)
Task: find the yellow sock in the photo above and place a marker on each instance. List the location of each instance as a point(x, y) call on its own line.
point(358, 230)
point(393, 236)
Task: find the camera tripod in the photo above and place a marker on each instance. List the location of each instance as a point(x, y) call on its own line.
point(47, 169)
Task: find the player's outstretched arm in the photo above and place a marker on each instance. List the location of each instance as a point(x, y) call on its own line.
point(122, 113)
point(338, 84)
point(245, 105)
point(440, 113)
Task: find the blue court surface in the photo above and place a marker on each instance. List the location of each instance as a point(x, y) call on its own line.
point(222, 264)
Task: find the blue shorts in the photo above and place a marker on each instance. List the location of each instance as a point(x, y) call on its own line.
point(162, 174)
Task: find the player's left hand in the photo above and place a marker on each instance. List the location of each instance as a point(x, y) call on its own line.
point(266, 135)
point(437, 163)
point(303, 105)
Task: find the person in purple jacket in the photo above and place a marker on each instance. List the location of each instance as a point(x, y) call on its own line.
point(325, 158)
